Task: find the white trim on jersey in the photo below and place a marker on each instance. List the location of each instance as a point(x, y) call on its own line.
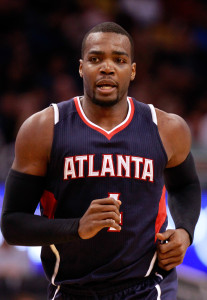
point(56, 113)
point(154, 116)
point(57, 264)
point(94, 125)
point(151, 265)
point(56, 292)
point(159, 275)
point(158, 292)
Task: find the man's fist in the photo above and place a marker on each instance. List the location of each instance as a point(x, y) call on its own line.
point(172, 247)
point(100, 214)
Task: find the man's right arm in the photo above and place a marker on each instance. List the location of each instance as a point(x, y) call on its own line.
point(25, 185)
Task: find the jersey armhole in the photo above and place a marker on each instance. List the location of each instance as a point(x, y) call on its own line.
point(153, 112)
point(56, 113)
point(154, 119)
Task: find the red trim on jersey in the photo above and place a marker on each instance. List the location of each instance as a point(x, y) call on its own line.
point(112, 132)
point(49, 204)
point(162, 213)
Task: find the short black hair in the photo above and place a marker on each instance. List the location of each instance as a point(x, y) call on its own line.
point(108, 27)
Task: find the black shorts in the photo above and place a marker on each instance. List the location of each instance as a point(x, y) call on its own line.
point(154, 287)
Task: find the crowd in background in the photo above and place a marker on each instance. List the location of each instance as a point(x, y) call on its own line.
point(40, 52)
point(40, 48)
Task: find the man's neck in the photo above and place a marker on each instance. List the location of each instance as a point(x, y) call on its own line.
point(107, 117)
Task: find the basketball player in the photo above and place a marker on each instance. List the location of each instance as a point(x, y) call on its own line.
point(97, 163)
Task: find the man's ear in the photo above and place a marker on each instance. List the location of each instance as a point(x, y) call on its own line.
point(81, 68)
point(133, 73)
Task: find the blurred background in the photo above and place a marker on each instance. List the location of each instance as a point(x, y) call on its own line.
point(40, 44)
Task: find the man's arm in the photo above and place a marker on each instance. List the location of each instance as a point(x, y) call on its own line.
point(184, 193)
point(25, 185)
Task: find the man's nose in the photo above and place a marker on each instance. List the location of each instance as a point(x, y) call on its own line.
point(107, 68)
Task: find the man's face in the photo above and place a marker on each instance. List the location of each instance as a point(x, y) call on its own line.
point(106, 67)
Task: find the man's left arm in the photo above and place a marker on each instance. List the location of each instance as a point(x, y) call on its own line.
point(184, 200)
point(184, 196)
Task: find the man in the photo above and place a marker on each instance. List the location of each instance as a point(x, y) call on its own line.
point(99, 174)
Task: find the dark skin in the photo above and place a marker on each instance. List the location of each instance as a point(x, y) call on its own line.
point(106, 69)
point(104, 62)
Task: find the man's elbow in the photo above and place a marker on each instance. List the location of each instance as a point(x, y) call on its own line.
point(8, 228)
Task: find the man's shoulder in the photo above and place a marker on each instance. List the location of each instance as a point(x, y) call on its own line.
point(33, 143)
point(37, 121)
point(171, 122)
point(176, 136)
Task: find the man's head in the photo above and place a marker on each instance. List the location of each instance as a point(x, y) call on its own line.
point(106, 65)
point(108, 27)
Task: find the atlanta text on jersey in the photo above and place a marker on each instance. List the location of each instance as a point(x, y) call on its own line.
point(126, 166)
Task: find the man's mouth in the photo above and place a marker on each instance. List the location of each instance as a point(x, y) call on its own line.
point(106, 85)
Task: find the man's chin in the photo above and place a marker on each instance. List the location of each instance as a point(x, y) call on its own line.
point(105, 102)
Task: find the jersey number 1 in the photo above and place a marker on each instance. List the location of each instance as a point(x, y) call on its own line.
point(116, 197)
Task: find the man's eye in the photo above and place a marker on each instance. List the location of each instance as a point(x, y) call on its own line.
point(94, 59)
point(120, 60)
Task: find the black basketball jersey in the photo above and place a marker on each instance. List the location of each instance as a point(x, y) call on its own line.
point(88, 163)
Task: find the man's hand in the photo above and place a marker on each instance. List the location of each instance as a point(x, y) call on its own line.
point(101, 213)
point(172, 248)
